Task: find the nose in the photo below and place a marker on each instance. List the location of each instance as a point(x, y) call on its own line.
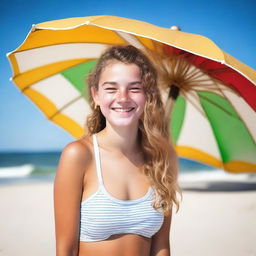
point(123, 96)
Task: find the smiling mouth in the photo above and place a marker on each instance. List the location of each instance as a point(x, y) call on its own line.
point(122, 109)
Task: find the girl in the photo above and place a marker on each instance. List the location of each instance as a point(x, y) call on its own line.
point(115, 187)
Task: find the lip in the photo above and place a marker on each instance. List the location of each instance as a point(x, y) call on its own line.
point(123, 110)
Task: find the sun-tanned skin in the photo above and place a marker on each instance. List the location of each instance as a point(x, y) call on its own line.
point(119, 87)
point(125, 188)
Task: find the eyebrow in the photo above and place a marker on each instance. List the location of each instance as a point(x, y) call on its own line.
point(115, 83)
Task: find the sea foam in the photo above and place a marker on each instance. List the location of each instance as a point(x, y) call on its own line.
point(16, 171)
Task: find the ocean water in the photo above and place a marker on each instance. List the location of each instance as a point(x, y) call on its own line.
point(41, 166)
point(28, 166)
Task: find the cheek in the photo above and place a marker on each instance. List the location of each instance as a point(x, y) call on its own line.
point(141, 100)
point(105, 99)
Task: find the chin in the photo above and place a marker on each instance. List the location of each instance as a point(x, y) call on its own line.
point(123, 123)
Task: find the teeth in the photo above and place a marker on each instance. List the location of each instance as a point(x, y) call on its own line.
point(123, 109)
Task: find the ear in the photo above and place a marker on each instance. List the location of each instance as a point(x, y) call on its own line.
point(95, 95)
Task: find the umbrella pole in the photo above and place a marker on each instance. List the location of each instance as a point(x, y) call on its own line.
point(173, 95)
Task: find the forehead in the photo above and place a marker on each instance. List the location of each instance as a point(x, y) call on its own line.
point(118, 70)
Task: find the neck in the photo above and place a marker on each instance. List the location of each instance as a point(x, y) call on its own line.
point(120, 140)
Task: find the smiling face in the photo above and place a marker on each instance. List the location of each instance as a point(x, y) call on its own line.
point(120, 94)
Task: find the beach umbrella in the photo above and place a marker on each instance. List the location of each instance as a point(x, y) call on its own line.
point(210, 96)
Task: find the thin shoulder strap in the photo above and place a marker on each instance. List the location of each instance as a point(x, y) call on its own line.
point(97, 158)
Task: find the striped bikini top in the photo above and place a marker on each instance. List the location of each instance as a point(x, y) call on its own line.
point(103, 215)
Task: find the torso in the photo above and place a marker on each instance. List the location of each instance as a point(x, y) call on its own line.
point(117, 245)
point(129, 184)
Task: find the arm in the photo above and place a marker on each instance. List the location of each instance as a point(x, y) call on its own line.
point(160, 244)
point(68, 187)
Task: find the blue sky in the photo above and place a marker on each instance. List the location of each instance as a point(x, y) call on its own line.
point(230, 24)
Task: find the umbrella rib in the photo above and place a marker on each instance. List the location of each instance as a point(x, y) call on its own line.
point(130, 39)
point(65, 106)
point(206, 117)
point(217, 105)
point(209, 86)
point(194, 75)
point(202, 81)
point(215, 84)
point(179, 66)
point(184, 72)
point(241, 118)
point(183, 67)
point(187, 98)
point(156, 46)
point(218, 147)
point(224, 88)
point(187, 68)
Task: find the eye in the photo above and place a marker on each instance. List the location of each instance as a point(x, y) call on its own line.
point(110, 89)
point(136, 89)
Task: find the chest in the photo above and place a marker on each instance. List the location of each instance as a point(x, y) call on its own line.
point(122, 169)
point(122, 176)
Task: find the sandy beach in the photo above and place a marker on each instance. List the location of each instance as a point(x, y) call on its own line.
point(209, 222)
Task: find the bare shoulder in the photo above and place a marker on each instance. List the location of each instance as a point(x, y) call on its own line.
point(80, 149)
point(76, 155)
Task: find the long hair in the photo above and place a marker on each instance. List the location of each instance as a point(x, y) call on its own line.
point(160, 159)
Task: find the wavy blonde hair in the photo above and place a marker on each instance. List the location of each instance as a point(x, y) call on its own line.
point(160, 160)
